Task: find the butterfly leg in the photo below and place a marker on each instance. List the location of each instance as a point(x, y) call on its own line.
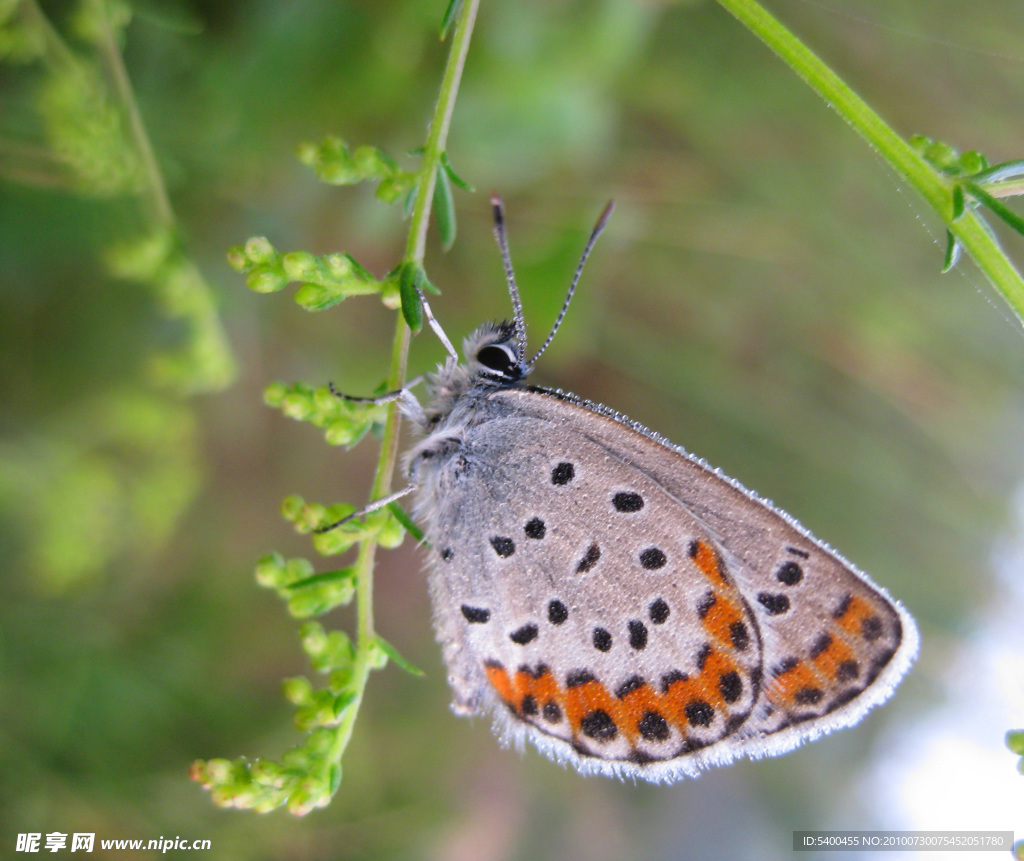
point(369, 508)
point(407, 403)
point(377, 400)
point(435, 326)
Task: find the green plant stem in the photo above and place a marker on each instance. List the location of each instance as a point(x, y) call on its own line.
point(155, 195)
point(936, 189)
point(415, 249)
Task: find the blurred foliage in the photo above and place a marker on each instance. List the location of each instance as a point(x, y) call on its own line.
point(75, 126)
point(1015, 741)
point(762, 296)
point(107, 479)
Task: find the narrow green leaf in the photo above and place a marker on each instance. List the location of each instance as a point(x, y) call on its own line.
point(409, 280)
point(953, 251)
point(450, 14)
point(453, 176)
point(409, 202)
point(958, 201)
point(402, 516)
point(428, 287)
point(336, 576)
point(996, 206)
point(1000, 172)
point(394, 655)
point(334, 779)
point(343, 701)
point(358, 269)
point(444, 209)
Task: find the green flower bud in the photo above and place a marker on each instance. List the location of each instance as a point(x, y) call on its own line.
point(237, 259)
point(270, 571)
point(317, 297)
point(338, 266)
point(291, 507)
point(334, 542)
point(391, 534)
point(298, 569)
point(259, 250)
point(262, 279)
point(297, 690)
point(299, 265)
point(274, 394)
point(342, 432)
point(296, 406)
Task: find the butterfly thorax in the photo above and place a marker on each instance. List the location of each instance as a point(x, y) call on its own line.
point(458, 395)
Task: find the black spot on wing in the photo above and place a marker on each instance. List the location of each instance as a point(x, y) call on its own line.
point(653, 558)
point(504, 547)
point(557, 612)
point(476, 615)
point(659, 611)
point(526, 634)
point(563, 473)
point(775, 603)
point(627, 502)
point(589, 560)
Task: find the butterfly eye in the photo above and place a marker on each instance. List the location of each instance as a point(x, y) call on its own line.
point(499, 358)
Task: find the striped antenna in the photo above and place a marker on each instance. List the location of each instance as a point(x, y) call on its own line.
point(513, 289)
point(602, 220)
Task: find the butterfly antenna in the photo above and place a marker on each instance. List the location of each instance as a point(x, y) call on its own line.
point(513, 290)
point(602, 220)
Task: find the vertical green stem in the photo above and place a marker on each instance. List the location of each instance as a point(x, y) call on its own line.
point(156, 197)
point(415, 249)
point(439, 131)
point(936, 189)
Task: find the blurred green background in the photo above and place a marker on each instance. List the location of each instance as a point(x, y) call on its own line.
point(766, 295)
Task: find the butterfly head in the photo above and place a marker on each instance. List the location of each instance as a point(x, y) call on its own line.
point(493, 352)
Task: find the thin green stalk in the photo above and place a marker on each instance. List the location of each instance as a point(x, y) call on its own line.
point(936, 189)
point(434, 147)
point(156, 192)
point(415, 248)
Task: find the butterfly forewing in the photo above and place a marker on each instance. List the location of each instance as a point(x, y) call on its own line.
point(596, 608)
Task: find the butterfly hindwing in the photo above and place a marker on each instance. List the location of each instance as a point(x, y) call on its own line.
point(829, 644)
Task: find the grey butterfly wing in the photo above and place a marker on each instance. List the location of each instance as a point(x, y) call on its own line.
point(576, 595)
point(834, 644)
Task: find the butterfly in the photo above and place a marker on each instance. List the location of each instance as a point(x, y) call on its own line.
point(611, 598)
